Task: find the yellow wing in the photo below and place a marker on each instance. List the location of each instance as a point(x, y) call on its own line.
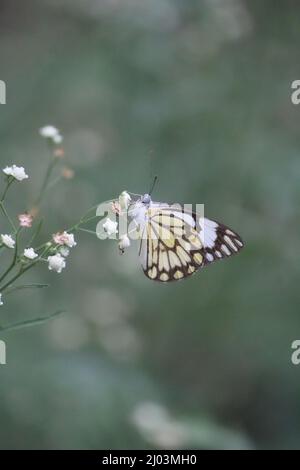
point(175, 245)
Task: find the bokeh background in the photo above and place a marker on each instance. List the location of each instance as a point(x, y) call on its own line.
point(197, 92)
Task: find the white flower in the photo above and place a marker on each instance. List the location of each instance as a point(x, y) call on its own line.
point(64, 251)
point(110, 227)
point(124, 242)
point(124, 200)
point(52, 133)
point(158, 427)
point(8, 241)
point(17, 172)
point(64, 238)
point(56, 263)
point(30, 253)
point(57, 139)
point(70, 240)
point(48, 132)
point(1, 303)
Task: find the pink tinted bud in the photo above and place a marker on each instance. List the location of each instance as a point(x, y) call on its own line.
point(25, 220)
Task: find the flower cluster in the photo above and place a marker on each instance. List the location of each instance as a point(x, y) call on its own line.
point(8, 241)
point(56, 263)
point(52, 134)
point(56, 249)
point(110, 226)
point(64, 241)
point(16, 172)
point(29, 253)
point(23, 255)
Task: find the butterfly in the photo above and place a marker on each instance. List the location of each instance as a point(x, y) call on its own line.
point(175, 243)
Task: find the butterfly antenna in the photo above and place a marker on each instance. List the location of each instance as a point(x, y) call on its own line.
point(153, 185)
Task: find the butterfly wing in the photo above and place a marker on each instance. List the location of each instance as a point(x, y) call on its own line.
point(176, 244)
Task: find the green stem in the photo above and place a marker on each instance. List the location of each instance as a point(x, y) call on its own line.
point(22, 271)
point(41, 246)
point(16, 276)
point(10, 181)
point(87, 231)
point(7, 216)
point(54, 182)
point(13, 263)
point(26, 323)
point(75, 227)
point(25, 286)
point(50, 168)
point(82, 221)
point(36, 233)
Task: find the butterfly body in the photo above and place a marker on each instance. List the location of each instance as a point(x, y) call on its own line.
point(175, 242)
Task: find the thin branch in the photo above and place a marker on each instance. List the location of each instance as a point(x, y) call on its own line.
point(36, 233)
point(52, 163)
point(26, 286)
point(22, 271)
point(10, 181)
point(54, 182)
point(7, 216)
point(27, 323)
point(87, 231)
point(13, 263)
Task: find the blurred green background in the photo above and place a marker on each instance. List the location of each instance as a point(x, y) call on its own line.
point(197, 92)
